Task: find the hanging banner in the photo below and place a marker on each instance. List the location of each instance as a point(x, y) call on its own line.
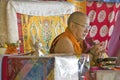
point(44, 29)
point(103, 18)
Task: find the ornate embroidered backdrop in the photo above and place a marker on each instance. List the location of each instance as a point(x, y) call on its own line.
point(39, 27)
point(42, 21)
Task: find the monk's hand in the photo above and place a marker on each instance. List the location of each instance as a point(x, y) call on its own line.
point(98, 49)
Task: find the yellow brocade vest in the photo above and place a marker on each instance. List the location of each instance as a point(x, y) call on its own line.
point(77, 48)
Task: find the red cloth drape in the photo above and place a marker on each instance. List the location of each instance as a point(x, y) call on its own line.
point(103, 17)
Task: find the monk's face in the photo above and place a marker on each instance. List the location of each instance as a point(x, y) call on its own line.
point(82, 29)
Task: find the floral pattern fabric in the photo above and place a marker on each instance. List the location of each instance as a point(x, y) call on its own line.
point(44, 29)
point(103, 17)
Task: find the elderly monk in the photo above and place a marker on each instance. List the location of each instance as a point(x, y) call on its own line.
point(73, 39)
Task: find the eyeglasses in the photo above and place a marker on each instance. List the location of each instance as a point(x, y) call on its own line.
point(88, 27)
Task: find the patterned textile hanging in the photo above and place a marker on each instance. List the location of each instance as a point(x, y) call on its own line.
point(103, 17)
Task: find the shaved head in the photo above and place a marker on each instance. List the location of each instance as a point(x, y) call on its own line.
point(78, 24)
point(77, 17)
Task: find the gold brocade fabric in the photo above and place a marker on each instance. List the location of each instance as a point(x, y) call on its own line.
point(79, 4)
point(41, 28)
